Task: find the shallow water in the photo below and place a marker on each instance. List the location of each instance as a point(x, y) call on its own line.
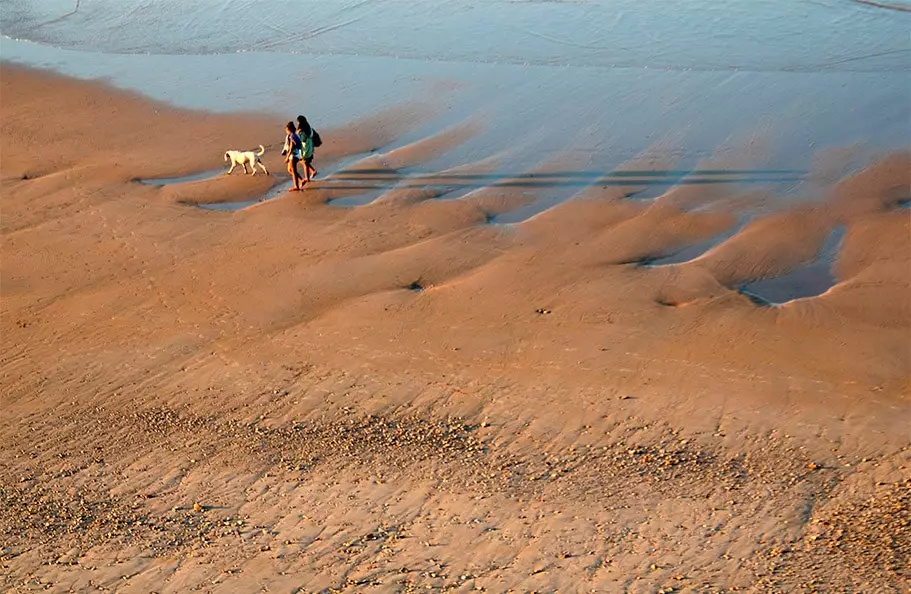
point(578, 88)
point(811, 280)
point(184, 179)
point(781, 35)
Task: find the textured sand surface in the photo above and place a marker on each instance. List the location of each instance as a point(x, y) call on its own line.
point(298, 397)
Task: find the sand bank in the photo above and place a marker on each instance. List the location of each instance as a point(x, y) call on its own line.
point(404, 394)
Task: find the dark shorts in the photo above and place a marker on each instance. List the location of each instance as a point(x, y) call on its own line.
point(309, 160)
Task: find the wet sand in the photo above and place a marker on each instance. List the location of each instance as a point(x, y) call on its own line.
point(404, 395)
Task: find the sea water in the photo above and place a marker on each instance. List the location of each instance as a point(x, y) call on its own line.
point(592, 84)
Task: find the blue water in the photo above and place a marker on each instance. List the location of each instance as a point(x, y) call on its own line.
point(775, 35)
point(583, 87)
point(810, 280)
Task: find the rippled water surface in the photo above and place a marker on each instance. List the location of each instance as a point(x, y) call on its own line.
point(592, 83)
point(776, 35)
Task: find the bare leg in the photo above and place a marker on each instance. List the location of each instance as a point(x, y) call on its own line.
point(308, 170)
point(300, 180)
point(295, 176)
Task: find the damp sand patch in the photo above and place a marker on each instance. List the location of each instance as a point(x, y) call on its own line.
point(206, 176)
point(185, 179)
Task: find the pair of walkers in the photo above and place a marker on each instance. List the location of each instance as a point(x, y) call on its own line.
point(299, 144)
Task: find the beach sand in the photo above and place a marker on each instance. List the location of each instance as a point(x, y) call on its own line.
point(299, 397)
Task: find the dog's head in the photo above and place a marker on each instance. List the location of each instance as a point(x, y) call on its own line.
point(227, 158)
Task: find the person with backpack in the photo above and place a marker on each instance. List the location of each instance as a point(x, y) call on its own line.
point(310, 139)
point(293, 152)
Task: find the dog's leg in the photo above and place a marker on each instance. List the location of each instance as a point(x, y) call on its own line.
point(245, 168)
point(266, 171)
point(233, 164)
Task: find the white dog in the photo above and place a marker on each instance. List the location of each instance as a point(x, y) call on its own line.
point(244, 157)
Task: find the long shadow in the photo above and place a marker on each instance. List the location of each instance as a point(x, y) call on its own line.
point(586, 174)
point(365, 179)
point(363, 182)
point(567, 184)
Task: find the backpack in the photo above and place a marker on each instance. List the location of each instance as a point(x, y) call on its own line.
point(317, 141)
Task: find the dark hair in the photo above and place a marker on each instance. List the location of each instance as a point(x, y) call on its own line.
point(289, 126)
point(304, 126)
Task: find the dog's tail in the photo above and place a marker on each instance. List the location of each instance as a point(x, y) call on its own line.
point(261, 151)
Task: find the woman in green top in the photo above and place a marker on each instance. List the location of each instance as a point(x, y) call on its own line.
point(306, 135)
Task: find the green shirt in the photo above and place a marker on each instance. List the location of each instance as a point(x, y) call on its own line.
point(307, 143)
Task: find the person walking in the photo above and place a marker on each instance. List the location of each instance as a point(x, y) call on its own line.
point(306, 133)
point(293, 152)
